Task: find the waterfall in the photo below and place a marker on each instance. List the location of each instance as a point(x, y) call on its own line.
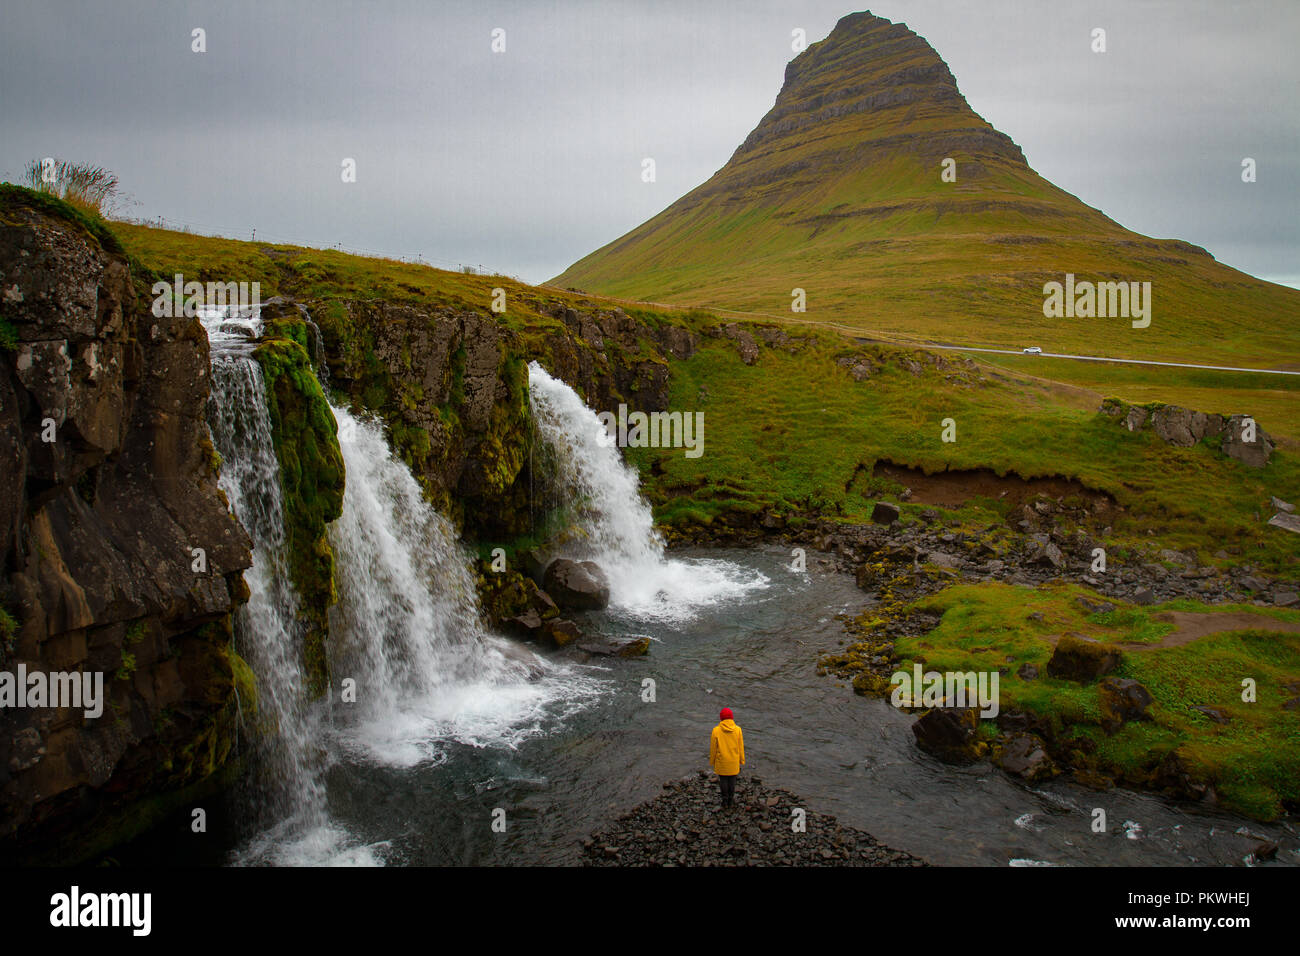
point(406, 628)
point(614, 522)
point(289, 790)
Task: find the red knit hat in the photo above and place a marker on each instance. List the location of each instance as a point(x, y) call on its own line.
point(726, 714)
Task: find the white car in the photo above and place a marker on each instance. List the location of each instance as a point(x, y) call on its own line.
point(1033, 350)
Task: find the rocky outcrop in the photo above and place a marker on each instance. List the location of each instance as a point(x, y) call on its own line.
point(453, 388)
point(118, 555)
point(1237, 436)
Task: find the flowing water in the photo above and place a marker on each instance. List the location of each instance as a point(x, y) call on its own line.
point(616, 524)
point(453, 729)
point(288, 784)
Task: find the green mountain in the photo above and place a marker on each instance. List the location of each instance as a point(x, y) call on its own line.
point(840, 191)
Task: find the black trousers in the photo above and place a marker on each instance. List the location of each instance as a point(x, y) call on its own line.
point(727, 785)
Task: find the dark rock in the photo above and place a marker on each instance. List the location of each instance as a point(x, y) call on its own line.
point(684, 826)
point(1144, 597)
point(577, 585)
point(610, 647)
point(560, 632)
point(884, 513)
point(96, 532)
point(1028, 671)
point(1265, 852)
point(948, 733)
point(1025, 755)
point(1214, 713)
point(527, 624)
point(1081, 660)
point(1122, 699)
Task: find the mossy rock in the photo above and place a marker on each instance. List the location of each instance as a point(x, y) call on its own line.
point(1081, 660)
point(312, 477)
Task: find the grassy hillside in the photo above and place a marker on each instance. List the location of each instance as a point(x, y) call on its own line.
point(838, 191)
point(795, 432)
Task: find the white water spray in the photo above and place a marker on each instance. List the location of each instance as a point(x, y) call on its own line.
point(407, 628)
point(289, 795)
point(615, 523)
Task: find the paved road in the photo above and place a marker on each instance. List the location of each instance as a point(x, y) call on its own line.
point(894, 338)
point(1099, 358)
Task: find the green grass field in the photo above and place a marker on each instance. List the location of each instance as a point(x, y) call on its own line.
point(1253, 761)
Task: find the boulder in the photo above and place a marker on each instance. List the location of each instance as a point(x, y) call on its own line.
point(885, 513)
point(1122, 699)
point(1280, 505)
point(636, 646)
point(1179, 426)
point(577, 585)
point(1025, 755)
point(1028, 671)
point(1081, 660)
point(1254, 453)
point(527, 624)
point(1287, 522)
point(1043, 552)
point(560, 632)
point(948, 733)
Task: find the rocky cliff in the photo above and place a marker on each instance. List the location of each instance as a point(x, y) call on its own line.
point(453, 388)
point(117, 553)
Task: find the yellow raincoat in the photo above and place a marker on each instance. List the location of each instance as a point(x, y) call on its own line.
point(727, 749)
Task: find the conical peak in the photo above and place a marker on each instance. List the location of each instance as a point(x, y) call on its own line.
point(877, 68)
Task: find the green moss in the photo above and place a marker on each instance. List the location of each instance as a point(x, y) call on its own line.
point(312, 479)
point(8, 633)
point(8, 335)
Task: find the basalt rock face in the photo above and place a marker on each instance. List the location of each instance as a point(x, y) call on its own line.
point(453, 388)
point(108, 485)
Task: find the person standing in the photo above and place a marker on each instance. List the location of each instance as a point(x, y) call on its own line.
point(727, 754)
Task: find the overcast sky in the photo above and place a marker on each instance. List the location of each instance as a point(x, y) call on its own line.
point(525, 161)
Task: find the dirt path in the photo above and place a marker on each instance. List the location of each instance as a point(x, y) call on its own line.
point(1189, 626)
